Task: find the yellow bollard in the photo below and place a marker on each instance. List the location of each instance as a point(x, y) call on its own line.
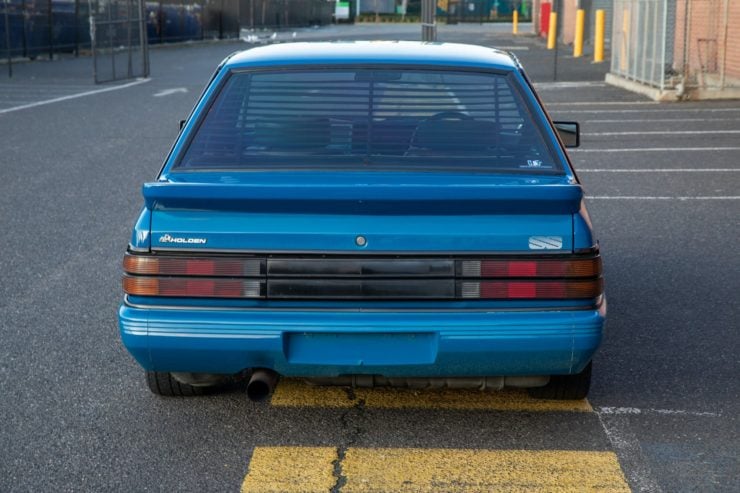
point(552, 32)
point(578, 41)
point(515, 23)
point(599, 37)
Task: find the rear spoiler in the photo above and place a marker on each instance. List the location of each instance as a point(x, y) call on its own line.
point(380, 199)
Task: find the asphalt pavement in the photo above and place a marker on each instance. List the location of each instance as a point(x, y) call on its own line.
point(662, 181)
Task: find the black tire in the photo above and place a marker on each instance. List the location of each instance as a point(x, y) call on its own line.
point(565, 387)
point(163, 383)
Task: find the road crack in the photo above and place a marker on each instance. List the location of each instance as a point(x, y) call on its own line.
point(350, 422)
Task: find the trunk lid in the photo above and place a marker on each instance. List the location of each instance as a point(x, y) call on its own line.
point(349, 212)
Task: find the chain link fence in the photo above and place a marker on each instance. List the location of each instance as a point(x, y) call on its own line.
point(707, 48)
point(684, 44)
point(640, 41)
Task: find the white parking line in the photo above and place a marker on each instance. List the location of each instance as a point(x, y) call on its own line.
point(73, 96)
point(663, 120)
point(665, 110)
point(629, 452)
point(604, 103)
point(615, 423)
point(41, 87)
point(658, 149)
point(566, 85)
point(647, 197)
point(664, 132)
point(636, 410)
point(659, 170)
point(169, 92)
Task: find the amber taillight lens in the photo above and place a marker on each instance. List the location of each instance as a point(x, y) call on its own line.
point(196, 277)
point(186, 266)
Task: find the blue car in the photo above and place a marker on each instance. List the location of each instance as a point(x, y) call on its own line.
point(366, 213)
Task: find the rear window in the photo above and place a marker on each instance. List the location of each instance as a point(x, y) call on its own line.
point(367, 119)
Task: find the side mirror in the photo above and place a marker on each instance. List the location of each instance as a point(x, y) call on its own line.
point(569, 132)
point(182, 123)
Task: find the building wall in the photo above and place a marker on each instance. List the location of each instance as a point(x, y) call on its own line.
point(707, 40)
point(733, 40)
point(568, 20)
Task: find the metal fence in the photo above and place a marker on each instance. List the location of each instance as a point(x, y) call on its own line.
point(454, 11)
point(693, 44)
point(639, 41)
point(33, 28)
point(279, 13)
point(50, 28)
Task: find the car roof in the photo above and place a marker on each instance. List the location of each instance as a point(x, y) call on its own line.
point(374, 52)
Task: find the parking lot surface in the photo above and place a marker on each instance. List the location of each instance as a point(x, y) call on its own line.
point(662, 181)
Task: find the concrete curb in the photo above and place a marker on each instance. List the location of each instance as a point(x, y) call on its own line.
point(677, 94)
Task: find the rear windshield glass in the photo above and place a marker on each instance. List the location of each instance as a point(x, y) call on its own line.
point(369, 119)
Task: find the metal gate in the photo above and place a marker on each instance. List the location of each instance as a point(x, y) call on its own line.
point(119, 40)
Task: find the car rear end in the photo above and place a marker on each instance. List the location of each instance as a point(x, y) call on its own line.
point(366, 222)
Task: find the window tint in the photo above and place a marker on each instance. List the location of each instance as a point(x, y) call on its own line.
point(369, 119)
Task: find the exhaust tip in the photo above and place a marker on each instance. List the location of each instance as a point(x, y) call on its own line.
point(261, 385)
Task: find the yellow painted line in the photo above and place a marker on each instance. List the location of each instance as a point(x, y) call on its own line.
point(295, 393)
point(448, 470)
point(290, 469)
point(366, 470)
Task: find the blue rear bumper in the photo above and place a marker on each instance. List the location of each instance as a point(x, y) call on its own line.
point(326, 343)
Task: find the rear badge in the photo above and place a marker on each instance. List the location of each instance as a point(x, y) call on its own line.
point(545, 242)
point(189, 241)
point(360, 241)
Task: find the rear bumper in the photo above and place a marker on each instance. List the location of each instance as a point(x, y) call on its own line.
point(389, 343)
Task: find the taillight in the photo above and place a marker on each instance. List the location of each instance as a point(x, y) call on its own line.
point(195, 277)
point(536, 279)
point(589, 267)
point(194, 288)
point(174, 266)
point(356, 277)
point(537, 290)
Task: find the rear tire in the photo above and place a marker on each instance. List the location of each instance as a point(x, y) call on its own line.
point(565, 387)
point(163, 383)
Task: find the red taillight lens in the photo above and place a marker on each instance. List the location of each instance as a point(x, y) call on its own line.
point(539, 290)
point(535, 279)
point(192, 287)
point(173, 266)
point(550, 268)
